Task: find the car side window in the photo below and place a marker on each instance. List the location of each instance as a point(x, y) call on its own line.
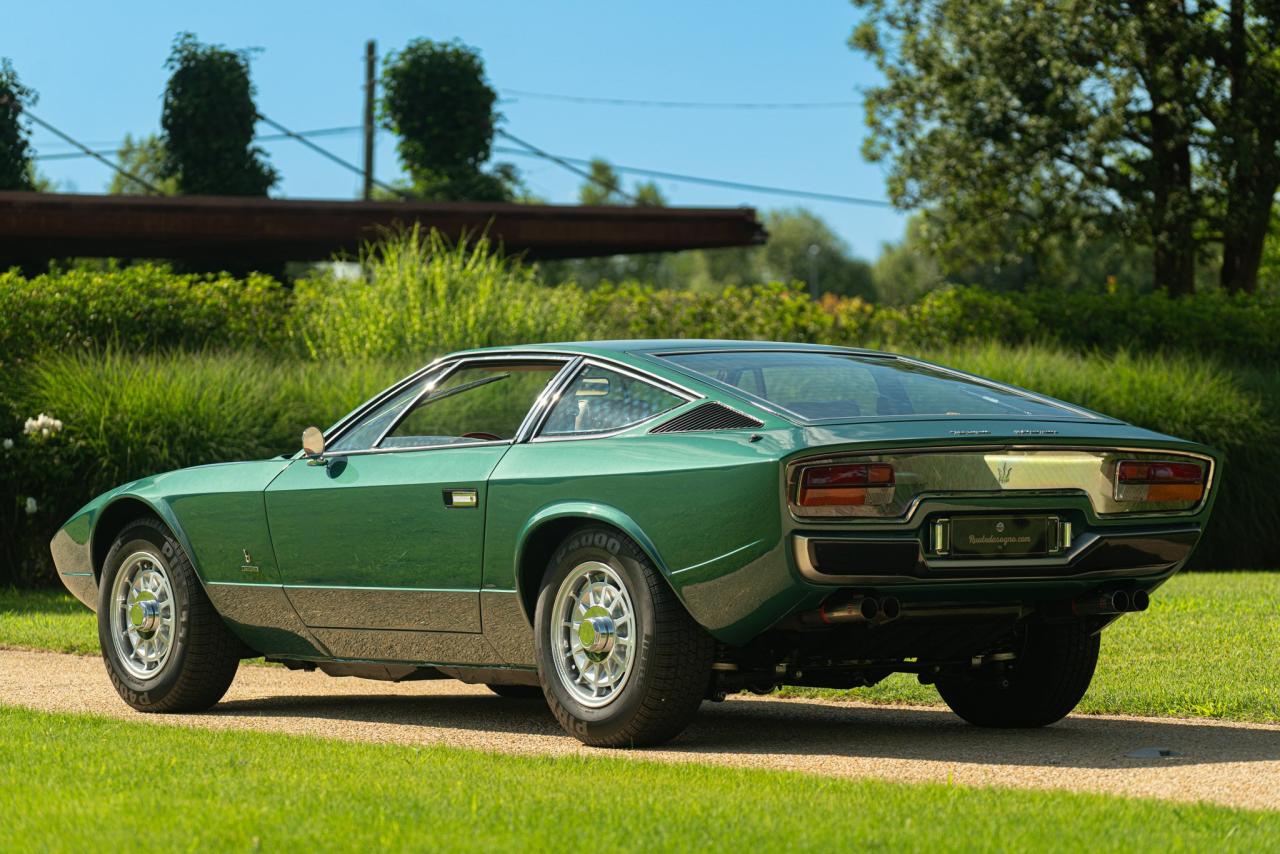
point(363, 436)
point(601, 400)
point(478, 402)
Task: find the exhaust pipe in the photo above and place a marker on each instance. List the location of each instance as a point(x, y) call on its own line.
point(859, 609)
point(890, 609)
point(1103, 602)
point(1111, 602)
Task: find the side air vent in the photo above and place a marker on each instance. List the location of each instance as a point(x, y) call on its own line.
point(708, 416)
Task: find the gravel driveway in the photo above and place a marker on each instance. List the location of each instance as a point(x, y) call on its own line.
point(1226, 763)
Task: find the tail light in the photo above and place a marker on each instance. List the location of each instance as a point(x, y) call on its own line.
point(853, 484)
point(1158, 481)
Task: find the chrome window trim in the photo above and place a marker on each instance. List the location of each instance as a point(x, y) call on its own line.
point(795, 468)
point(686, 397)
point(1071, 412)
point(450, 364)
point(337, 430)
point(547, 400)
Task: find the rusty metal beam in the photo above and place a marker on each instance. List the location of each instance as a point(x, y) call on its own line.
point(36, 226)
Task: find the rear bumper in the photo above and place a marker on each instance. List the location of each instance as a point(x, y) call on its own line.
point(891, 559)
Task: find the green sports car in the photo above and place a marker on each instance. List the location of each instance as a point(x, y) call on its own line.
point(630, 528)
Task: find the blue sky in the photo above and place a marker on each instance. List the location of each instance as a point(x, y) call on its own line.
point(99, 69)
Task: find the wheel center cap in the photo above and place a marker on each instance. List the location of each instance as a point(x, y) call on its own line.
point(144, 615)
point(597, 633)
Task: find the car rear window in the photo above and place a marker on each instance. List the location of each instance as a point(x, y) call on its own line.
point(833, 386)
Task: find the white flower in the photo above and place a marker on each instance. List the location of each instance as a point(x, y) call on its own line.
point(45, 425)
point(8, 444)
point(32, 507)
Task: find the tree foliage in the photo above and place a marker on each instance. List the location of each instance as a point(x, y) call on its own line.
point(208, 120)
point(1014, 122)
point(16, 166)
point(436, 99)
point(144, 157)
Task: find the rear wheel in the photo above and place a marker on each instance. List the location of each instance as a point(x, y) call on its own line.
point(622, 663)
point(1041, 687)
point(165, 647)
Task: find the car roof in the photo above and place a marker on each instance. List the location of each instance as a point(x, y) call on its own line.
point(647, 346)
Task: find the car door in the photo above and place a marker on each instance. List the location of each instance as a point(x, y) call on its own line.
point(385, 530)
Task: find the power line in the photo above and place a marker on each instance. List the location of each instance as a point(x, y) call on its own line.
point(323, 152)
point(526, 150)
point(265, 137)
point(532, 150)
point(717, 182)
point(685, 105)
point(90, 152)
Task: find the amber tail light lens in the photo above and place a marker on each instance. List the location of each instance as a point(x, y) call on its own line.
point(846, 485)
point(1158, 481)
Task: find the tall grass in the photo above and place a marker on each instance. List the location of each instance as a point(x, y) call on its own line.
point(421, 295)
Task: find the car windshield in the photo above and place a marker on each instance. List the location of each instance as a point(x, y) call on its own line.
point(818, 386)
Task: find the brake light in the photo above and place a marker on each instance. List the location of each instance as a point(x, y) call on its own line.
point(853, 484)
point(1159, 481)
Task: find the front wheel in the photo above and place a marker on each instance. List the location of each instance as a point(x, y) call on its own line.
point(622, 663)
point(1043, 685)
point(165, 647)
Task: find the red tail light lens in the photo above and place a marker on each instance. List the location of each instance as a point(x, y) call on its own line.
point(854, 484)
point(1159, 481)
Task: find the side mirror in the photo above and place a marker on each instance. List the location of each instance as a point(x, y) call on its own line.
point(313, 445)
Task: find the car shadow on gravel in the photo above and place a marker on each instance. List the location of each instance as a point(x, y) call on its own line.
point(797, 728)
point(794, 728)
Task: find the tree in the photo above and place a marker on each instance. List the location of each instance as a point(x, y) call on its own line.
point(604, 187)
point(437, 100)
point(1015, 122)
point(17, 170)
point(208, 121)
point(144, 157)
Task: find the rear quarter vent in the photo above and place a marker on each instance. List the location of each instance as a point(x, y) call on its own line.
point(708, 416)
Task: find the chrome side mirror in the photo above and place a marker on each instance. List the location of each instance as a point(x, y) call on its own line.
point(313, 446)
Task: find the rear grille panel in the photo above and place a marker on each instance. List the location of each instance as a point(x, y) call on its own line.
point(708, 416)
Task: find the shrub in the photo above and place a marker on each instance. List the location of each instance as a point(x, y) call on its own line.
point(756, 312)
point(1239, 328)
point(144, 307)
point(421, 295)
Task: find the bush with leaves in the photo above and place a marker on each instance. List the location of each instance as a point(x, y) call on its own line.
point(144, 307)
point(208, 119)
point(16, 166)
point(436, 99)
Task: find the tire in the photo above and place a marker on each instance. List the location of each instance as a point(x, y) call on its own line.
point(662, 657)
point(517, 692)
point(1046, 682)
point(187, 662)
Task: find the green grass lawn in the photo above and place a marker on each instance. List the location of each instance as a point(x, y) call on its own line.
point(1206, 648)
point(46, 619)
point(76, 783)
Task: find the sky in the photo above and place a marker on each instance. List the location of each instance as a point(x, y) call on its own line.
point(99, 71)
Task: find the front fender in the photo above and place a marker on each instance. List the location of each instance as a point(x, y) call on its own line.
point(77, 548)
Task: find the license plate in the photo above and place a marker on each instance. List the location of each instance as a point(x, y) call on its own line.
point(995, 536)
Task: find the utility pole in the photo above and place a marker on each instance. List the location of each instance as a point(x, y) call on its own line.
point(370, 66)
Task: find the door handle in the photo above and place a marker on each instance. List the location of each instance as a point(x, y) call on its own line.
point(461, 498)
